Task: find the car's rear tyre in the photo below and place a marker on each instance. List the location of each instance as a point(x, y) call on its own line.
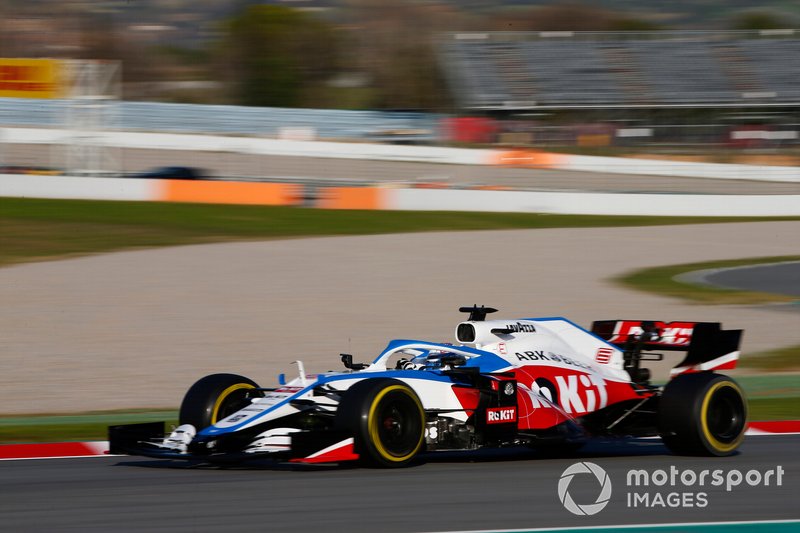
point(386, 419)
point(215, 397)
point(702, 414)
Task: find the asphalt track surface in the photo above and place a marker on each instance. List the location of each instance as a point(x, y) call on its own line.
point(136, 329)
point(781, 278)
point(333, 171)
point(516, 489)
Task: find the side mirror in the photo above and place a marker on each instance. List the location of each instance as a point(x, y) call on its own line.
point(453, 360)
point(347, 361)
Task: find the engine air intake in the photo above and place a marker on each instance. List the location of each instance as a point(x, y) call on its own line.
point(465, 332)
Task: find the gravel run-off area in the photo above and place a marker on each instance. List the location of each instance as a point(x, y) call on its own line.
point(136, 329)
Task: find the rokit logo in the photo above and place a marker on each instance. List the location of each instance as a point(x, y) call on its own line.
point(677, 333)
point(575, 394)
point(581, 394)
point(501, 415)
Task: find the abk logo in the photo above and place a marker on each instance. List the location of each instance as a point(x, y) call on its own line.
point(603, 497)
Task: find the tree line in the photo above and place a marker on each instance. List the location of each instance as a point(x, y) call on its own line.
point(368, 54)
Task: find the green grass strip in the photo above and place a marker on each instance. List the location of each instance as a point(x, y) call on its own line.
point(781, 359)
point(764, 409)
point(777, 385)
point(661, 281)
point(42, 229)
point(75, 427)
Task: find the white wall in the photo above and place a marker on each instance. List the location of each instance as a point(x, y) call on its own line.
point(90, 188)
point(250, 145)
point(654, 167)
point(77, 188)
point(594, 203)
point(390, 152)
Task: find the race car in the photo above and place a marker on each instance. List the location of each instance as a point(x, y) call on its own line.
point(545, 383)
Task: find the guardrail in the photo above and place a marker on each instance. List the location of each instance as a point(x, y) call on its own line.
point(248, 145)
point(389, 152)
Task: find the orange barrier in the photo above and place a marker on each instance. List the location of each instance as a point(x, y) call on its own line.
point(528, 158)
point(231, 192)
point(490, 188)
point(431, 185)
point(351, 198)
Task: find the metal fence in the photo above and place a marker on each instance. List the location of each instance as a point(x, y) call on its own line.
point(225, 119)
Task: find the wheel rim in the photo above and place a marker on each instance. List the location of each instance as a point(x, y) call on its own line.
point(232, 399)
point(723, 416)
point(396, 424)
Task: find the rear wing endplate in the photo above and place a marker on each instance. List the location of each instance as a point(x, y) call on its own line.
point(707, 345)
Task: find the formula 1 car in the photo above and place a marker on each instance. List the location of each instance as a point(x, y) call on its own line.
point(539, 382)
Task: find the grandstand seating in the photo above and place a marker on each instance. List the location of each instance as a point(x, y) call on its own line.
point(777, 64)
point(523, 71)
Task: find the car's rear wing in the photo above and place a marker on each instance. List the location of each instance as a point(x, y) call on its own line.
point(707, 345)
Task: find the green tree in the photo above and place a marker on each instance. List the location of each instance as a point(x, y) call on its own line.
point(394, 44)
point(759, 20)
point(274, 54)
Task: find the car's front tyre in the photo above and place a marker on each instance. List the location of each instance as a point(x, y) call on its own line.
point(215, 397)
point(387, 421)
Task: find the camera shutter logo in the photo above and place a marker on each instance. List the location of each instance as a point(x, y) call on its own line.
point(602, 498)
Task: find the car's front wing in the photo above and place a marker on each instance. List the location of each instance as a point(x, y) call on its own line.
point(306, 446)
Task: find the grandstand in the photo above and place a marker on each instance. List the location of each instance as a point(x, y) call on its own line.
point(511, 71)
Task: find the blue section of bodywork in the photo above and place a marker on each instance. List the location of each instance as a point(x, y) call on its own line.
point(323, 379)
point(485, 362)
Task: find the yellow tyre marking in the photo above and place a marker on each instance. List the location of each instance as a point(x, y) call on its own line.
point(716, 444)
point(372, 423)
point(221, 398)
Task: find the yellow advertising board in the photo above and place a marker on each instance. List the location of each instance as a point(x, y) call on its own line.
point(30, 78)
